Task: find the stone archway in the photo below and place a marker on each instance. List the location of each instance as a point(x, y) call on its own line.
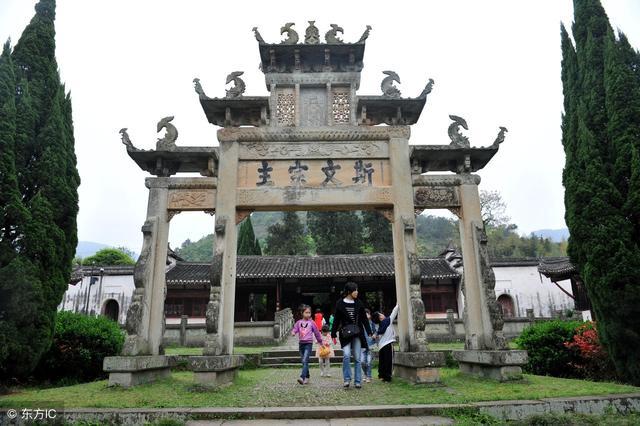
point(111, 310)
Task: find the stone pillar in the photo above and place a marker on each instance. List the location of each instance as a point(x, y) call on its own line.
point(183, 330)
point(485, 351)
point(145, 316)
point(451, 322)
point(217, 365)
point(413, 363)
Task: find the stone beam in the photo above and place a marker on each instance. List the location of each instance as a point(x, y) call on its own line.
point(300, 198)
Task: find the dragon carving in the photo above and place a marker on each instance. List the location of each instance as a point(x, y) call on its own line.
point(500, 137)
point(198, 88)
point(331, 37)
point(388, 89)
point(239, 87)
point(365, 35)
point(169, 140)
point(124, 136)
point(457, 139)
point(292, 35)
point(427, 89)
point(256, 33)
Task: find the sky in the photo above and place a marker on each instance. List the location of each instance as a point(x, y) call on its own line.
point(130, 63)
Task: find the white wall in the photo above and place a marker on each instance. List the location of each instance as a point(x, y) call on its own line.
point(117, 287)
point(530, 290)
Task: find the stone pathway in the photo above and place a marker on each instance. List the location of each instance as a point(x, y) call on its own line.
point(356, 421)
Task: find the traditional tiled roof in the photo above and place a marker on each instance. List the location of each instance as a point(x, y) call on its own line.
point(557, 268)
point(363, 265)
point(106, 270)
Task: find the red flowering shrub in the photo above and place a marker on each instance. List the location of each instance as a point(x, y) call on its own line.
point(592, 361)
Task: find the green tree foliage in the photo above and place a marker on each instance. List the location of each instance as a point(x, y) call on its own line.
point(378, 236)
point(434, 233)
point(80, 344)
point(197, 251)
point(22, 324)
point(336, 232)
point(37, 140)
point(108, 257)
point(247, 242)
point(287, 237)
point(600, 128)
point(545, 345)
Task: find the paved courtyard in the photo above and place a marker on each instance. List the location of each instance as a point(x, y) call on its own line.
point(356, 421)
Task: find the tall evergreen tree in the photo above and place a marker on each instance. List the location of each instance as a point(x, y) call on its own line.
point(48, 181)
point(336, 232)
point(378, 232)
point(287, 237)
point(247, 243)
point(601, 128)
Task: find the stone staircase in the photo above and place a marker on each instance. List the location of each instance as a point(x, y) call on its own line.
point(291, 358)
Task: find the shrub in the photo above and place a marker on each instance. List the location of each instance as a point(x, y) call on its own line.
point(593, 361)
point(80, 344)
point(545, 344)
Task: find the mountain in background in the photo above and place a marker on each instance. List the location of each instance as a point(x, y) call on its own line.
point(555, 235)
point(89, 248)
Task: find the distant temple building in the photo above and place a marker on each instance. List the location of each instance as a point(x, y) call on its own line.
point(266, 284)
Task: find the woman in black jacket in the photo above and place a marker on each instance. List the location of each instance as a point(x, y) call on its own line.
point(350, 320)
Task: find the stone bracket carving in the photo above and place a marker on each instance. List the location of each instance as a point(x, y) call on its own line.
point(241, 215)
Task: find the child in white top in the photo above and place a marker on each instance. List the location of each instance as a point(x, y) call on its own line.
point(387, 335)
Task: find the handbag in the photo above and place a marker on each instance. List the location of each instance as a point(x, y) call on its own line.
point(349, 331)
point(324, 352)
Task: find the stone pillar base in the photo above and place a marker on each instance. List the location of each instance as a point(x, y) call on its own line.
point(502, 365)
point(216, 370)
point(418, 367)
point(128, 371)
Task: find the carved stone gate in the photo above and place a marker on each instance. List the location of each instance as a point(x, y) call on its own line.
point(313, 144)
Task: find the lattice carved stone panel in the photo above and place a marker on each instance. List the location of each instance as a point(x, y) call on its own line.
point(430, 197)
point(341, 107)
point(286, 108)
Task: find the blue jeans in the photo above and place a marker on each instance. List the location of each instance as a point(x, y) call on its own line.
point(305, 354)
point(367, 358)
point(354, 347)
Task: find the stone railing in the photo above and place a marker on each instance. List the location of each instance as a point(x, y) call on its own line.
point(283, 324)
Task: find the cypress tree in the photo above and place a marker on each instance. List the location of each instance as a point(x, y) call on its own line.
point(247, 243)
point(287, 237)
point(336, 232)
point(48, 180)
point(601, 125)
point(378, 232)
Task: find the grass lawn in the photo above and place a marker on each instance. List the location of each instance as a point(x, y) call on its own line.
point(277, 387)
point(184, 350)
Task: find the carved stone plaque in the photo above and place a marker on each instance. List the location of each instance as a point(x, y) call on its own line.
point(430, 197)
point(317, 149)
point(313, 106)
point(329, 173)
point(192, 199)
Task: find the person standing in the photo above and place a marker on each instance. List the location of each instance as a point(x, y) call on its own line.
point(367, 353)
point(306, 329)
point(387, 335)
point(324, 352)
point(350, 321)
point(318, 318)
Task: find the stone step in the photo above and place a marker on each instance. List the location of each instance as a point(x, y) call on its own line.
point(295, 360)
point(290, 353)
